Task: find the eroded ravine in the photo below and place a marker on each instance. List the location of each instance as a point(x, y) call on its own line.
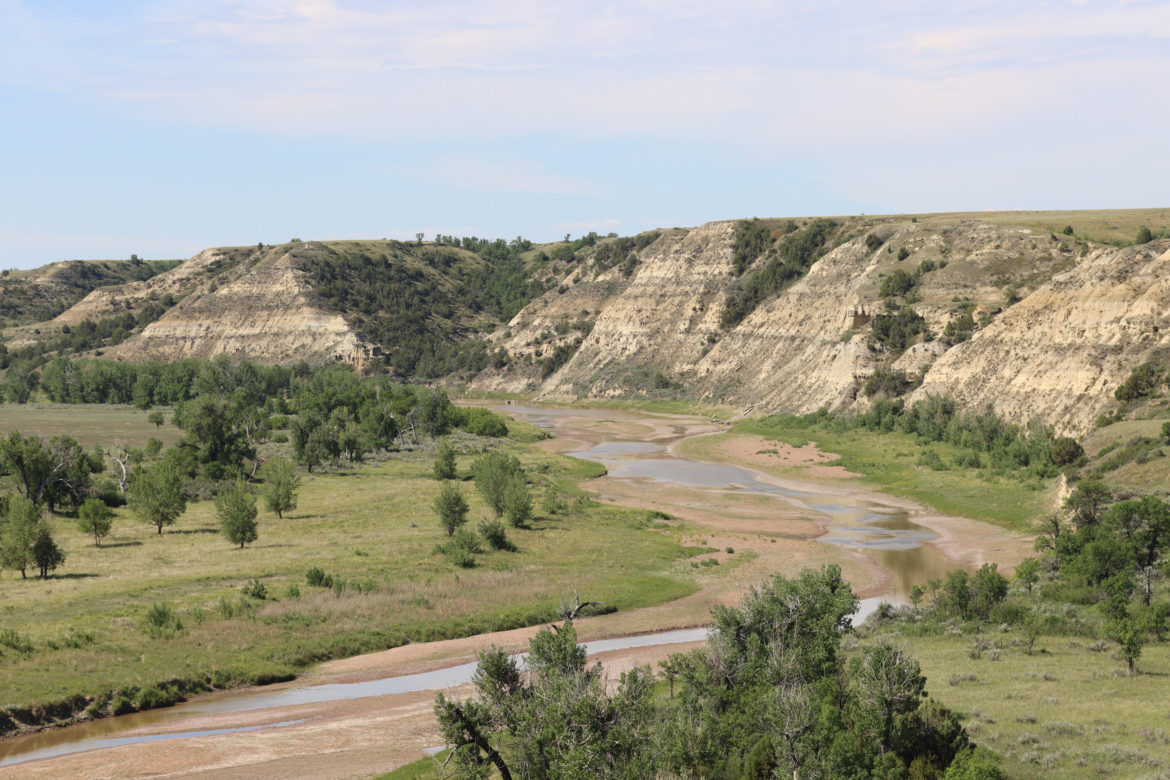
point(366, 714)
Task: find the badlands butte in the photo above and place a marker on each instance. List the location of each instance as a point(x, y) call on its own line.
point(1040, 315)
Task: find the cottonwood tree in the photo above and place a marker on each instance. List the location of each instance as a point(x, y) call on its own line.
point(281, 483)
point(558, 721)
point(500, 479)
point(94, 517)
point(236, 509)
point(46, 554)
point(445, 460)
point(51, 472)
point(451, 507)
point(18, 532)
point(156, 495)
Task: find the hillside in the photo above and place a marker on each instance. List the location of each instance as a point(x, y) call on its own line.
point(1029, 312)
point(43, 293)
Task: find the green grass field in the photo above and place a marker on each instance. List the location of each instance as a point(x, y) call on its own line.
point(889, 461)
point(1106, 226)
point(1065, 711)
point(372, 527)
point(90, 424)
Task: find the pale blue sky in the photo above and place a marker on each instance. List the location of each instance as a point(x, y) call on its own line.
point(161, 128)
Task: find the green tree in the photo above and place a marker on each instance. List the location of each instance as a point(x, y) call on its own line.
point(435, 412)
point(94, 517)
point(1028, 572)
point(22, 520)
point(281, 483)
point(558, 721)
point(451, 507)
point(52, 472)
point(235, 508)
point(156, 494)
point(445, 461)
point(495, 475)
point(46, 554)
point(517, 499)
point(157, 418)
point(1144, 235)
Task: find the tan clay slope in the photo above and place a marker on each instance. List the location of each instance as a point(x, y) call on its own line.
point(264, 315)
point(1086, 319)
point(188, 277)
point(1063, 350)
point(661, 319)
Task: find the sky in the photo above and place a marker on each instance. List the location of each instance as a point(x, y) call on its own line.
point(163, 127)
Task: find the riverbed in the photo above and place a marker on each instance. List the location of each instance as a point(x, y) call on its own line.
point(367, 714)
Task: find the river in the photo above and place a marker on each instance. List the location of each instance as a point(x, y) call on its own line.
point(860, 522)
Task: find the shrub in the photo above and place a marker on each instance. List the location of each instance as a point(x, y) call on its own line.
point(461, 548)
point(1066, 450)
point(256, 589)
point(898, 283)
point(318, 578)
point(888, 382)
point(161, 621)
point(495, 535)
point(1139, 384)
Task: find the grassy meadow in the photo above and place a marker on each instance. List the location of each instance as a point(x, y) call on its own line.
point(1068, 710)
point(890, 461)
point(371, 528)
point(91, 424)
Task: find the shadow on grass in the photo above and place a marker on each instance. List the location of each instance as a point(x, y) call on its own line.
point(111, 545)
point(72, 576)
point(188, 531)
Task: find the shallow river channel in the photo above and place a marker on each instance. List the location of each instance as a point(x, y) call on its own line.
point(883, 532)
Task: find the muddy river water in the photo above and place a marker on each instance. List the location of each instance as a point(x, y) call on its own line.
point(861, 522)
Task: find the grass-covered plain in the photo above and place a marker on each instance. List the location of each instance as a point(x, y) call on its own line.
point(891, 462)
point(83, 631)
point(1068, 710)
point(90, 424)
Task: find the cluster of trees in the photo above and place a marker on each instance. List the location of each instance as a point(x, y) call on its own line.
point(86, 335)
point(1111, 554)
point(621, 252)
point(788, 262)
point(1142, 382)
point(770, 695)
point(25, 540)
point(989, 440)
point(503, 484)
point(897, 330)
point(225, 410)
point(421, 315)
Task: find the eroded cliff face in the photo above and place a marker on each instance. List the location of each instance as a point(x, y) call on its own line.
point(265, 314)
point(1061, 352)
point(1050, 324)
point(1059, 324)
